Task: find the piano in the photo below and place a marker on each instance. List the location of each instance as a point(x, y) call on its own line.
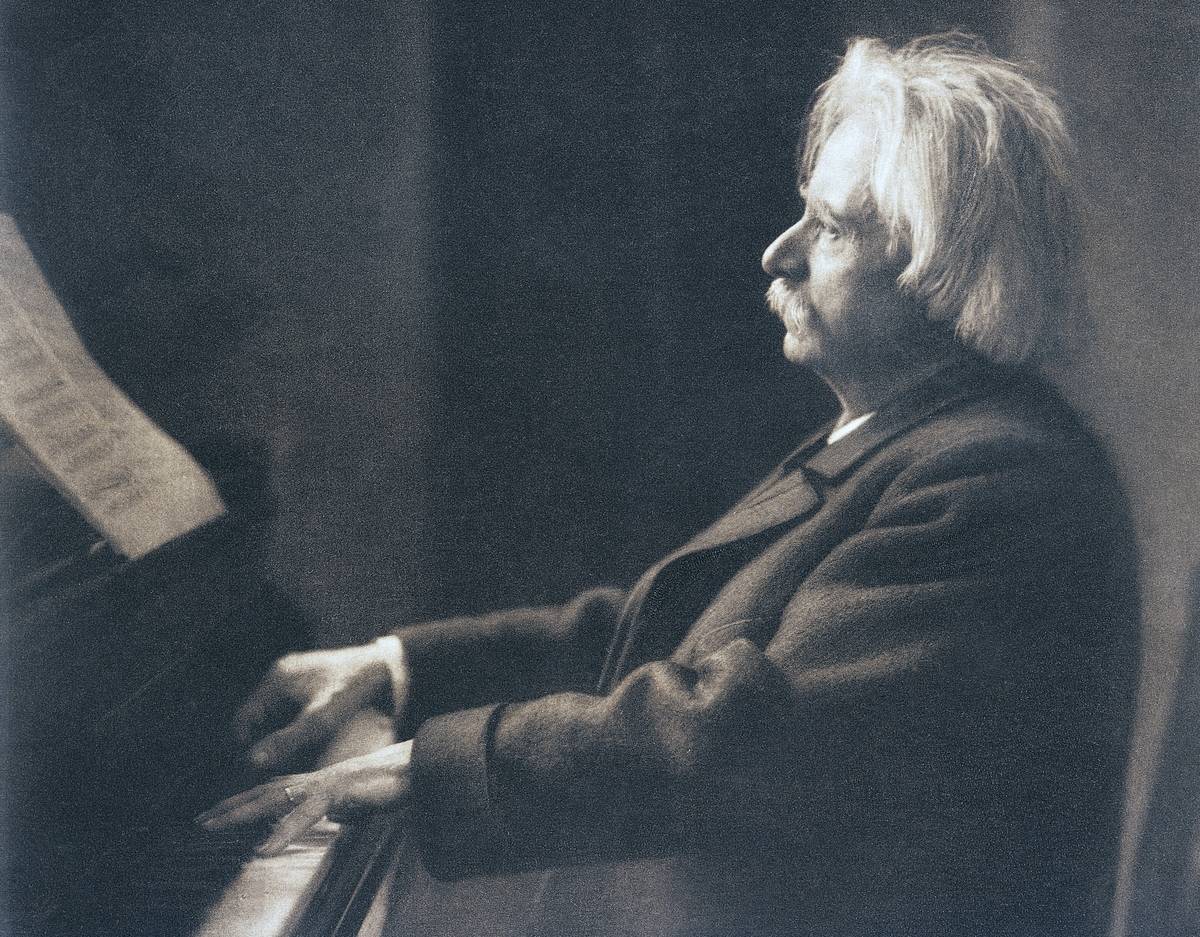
point(122, 678)
point(133, 622)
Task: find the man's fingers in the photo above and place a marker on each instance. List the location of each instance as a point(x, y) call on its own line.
point(311, 727)
point(246, 724)
point(292, 826)
point(266, 801)
point(230, 803)
point(268, 702)
point(374, 781)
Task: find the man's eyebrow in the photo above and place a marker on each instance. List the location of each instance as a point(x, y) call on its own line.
point(853, 217)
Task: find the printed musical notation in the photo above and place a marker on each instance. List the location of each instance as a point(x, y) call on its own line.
point(138, 487)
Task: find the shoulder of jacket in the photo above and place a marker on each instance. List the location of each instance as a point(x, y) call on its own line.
point(1014, 431)
point(1025, 421)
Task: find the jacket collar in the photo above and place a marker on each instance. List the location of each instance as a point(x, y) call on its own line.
point(952, 382)
point(788, 494)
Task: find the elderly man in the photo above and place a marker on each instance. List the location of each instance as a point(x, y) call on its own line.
point(888, 692)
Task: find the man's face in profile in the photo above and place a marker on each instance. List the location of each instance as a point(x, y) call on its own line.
point(835, 288)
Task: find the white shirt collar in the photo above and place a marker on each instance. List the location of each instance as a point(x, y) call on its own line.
point(848, 428)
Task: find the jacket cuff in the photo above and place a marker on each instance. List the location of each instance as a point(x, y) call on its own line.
point(457, 826)
point(421, 651)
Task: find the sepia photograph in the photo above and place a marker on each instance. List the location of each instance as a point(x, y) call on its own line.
point(533, 469)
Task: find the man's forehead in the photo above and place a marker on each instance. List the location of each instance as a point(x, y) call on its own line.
point(840, 180)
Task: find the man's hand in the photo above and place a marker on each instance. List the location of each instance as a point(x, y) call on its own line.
point(305, 698)
point(346, 790)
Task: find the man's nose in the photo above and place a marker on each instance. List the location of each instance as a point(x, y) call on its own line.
point(788, 254)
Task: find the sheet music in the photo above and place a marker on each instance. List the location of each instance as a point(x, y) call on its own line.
point(137, 486)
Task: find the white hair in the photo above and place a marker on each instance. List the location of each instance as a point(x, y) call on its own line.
point(973, 178)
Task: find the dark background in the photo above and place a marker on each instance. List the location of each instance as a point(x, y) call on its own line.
point(475, 290)
point(479, 283)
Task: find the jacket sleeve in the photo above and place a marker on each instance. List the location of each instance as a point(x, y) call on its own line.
point(517, 654)
point(907, 657)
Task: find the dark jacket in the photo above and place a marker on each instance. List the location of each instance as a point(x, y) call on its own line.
point(887, 693)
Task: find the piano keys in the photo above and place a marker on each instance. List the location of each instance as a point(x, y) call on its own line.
point(324, 885)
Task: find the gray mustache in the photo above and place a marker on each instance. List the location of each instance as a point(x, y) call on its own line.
point(782, 296)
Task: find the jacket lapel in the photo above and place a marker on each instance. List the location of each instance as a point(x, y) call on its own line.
point(788, 495)
point(789, 499)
